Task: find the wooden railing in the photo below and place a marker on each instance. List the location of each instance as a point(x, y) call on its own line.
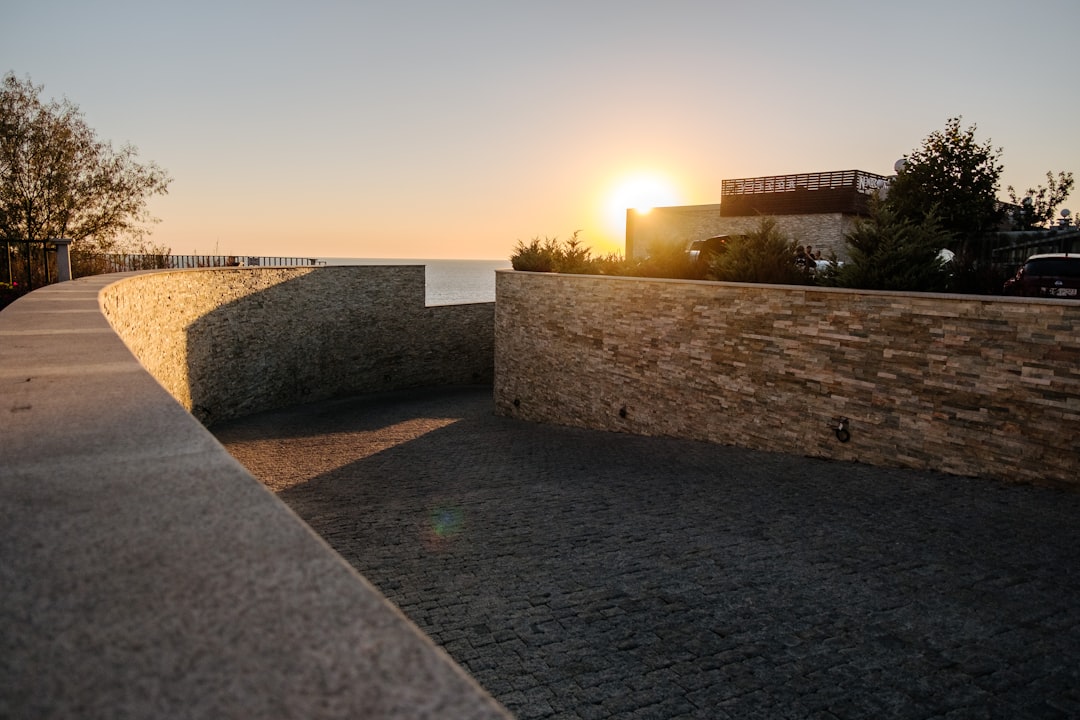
point(862, 181)
point(842, 191)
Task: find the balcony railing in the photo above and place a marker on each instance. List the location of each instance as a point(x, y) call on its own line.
point(841, 191)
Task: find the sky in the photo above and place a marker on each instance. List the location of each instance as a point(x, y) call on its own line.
point(413, 129)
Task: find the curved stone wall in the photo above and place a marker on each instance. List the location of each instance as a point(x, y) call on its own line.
point(981, 386)
point(143, 571)
point(229, 342)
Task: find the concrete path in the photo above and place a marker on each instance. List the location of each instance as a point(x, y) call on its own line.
point(580, 574)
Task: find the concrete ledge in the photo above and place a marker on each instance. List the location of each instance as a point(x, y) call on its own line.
point(145, 573)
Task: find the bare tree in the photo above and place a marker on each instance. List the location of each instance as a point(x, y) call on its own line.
point(1037, 206)
point(57, 180)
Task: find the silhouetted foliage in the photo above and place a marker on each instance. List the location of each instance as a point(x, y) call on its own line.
point(551, 255)
point(765, 255)
point(535, 256)
point(57, 180)
point(888, 252)
point(9, 293)
point(1036, 208)
point(952, 177)
point(666, 260)
point(571, 256)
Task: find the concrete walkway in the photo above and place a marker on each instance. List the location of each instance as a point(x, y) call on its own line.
point(579, 574)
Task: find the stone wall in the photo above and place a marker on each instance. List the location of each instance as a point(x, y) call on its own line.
point(682, 225)
point(962, 384)
point(143, 571)
point(232, 341)
point(667, 226)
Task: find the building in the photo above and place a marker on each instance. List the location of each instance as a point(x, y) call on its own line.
point(1011, 249)
point(816, 209)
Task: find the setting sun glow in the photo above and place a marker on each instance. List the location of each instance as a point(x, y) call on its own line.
point(642, 192)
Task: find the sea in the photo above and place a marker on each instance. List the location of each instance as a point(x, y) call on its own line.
point(447, 282)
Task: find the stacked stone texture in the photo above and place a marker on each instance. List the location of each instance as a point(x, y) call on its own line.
point(228, 342)
point(966, 385)
point(663, 227)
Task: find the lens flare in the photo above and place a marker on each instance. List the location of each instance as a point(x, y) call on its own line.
point(445, 522)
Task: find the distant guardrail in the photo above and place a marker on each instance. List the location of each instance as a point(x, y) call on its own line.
point(27, 265)
point(124, 262)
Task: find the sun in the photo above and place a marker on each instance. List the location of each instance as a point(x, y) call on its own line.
point(643, 192)
point(640, 191)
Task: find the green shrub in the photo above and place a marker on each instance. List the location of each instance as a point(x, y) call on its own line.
point(574, 257)
point(9, 293)
point(537, 256)
point(891, 253)
point(764, 255)
point(551, 255)
point(571, 256)
point(665, 261)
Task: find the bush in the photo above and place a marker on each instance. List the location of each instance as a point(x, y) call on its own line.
point(9, 293)
point(765, 255)
point(891, 253)
point(551, 255)
point(537, 256)
point(570, 256)
point(666, 261)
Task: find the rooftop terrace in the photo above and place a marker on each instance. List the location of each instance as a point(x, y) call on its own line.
point(843, 191)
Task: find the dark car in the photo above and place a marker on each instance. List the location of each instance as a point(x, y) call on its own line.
point(701, 251)
point(1056, 275)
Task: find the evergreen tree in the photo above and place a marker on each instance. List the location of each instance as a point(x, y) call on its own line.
point(889, 252)
point(765, 255)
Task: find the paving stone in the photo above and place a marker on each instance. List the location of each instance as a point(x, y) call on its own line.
point(582, 574)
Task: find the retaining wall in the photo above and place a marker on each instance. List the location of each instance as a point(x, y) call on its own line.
point(143, 571)
point(229, 342)
point(962, 384)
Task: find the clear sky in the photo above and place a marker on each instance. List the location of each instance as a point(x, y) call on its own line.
point(413, 129)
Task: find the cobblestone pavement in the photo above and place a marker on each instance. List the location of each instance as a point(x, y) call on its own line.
point(583, 574)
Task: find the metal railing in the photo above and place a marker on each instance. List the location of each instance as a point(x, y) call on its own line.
point(861, 181)
point(123, 262)
point(27, 264)
point(1012, 249)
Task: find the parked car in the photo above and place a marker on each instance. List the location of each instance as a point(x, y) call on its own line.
point(1052, 275)
point(701, 251)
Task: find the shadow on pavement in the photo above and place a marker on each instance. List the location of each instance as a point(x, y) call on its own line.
point(581, 574)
